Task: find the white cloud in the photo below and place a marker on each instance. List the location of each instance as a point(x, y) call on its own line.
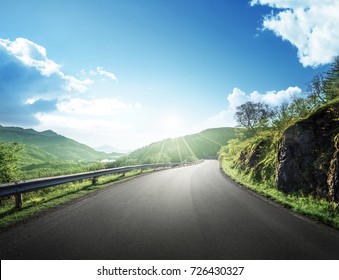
point(35, 56)
point(237, 97)
point(99, 71)
point(89, 130)
point(103, 72)
point(93, 121)
point(272, 98)
point(96, 107)
point(310, 25)
point(275, 98)
point(74, 84)
point(80, 125)
point(284, 4)
point(31, 54)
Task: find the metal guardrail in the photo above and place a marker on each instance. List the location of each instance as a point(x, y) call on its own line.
point(20, 187)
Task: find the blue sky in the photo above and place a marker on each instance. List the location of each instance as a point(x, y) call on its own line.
point(127, 73)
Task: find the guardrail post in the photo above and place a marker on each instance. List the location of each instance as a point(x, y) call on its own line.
point(18, 200)
point(94, 180)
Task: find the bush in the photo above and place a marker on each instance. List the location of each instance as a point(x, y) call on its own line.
point(9, 161)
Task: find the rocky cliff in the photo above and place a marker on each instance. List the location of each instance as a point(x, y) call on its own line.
point(308, 155)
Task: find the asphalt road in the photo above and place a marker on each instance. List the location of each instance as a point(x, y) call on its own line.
point(184, 213)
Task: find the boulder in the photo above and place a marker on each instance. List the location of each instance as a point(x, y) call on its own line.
point(308, 155)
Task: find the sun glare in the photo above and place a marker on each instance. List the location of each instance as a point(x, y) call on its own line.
point(172, 121)
point(173, 125)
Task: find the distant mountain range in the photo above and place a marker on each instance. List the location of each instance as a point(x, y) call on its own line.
point(49, 146)
point(46, 147)
point(203, 145)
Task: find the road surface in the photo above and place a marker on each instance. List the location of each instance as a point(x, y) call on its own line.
point(183, 213)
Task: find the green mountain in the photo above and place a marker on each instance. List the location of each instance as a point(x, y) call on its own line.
point(48, 153)
point(203, 145)
point(49, 146)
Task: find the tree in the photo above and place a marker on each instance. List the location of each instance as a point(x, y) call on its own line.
point(324, 86)
point(331, 84)
point(300, 107)
point(316, 89)
point(8, 161)
point(253, 116)
point(283, 117)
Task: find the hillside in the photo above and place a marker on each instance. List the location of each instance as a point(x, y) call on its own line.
point(205, 144)
point(49, 146)
point(298, 167)
point(304, 159)
point(48, 153)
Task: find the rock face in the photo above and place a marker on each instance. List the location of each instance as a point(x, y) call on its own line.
point(308, 156)
point(333, 175)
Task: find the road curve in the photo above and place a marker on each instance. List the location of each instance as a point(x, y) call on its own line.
point(183, 213)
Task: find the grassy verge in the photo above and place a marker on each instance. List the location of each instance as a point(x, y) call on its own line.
point(37, 202)
point(320, 210)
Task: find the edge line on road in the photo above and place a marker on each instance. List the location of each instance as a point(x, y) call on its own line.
point(243, 187)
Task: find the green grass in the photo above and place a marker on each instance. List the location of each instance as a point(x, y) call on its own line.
point(38, 202)
point(317, 209)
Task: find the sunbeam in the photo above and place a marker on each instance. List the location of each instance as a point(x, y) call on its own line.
point(178, 149)
point(189, 147)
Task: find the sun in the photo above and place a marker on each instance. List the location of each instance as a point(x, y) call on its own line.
point(173, 124)
point(172, 121)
